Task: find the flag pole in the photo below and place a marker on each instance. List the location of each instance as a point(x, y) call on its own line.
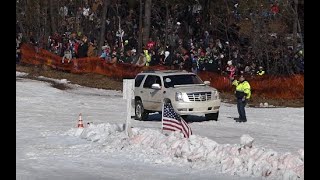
point(162, 117)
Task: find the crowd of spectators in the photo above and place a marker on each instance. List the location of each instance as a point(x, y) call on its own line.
point(195, 50)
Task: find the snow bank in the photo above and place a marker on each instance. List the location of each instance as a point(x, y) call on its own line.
point(60, 81)
point(198, 152)
point(246, 141)
point(265, 105)
point(21, 74)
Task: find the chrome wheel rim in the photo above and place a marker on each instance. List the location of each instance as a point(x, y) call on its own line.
point(138, 111)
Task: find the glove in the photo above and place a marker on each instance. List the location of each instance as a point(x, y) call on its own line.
point(243, 99)
point(234, 82)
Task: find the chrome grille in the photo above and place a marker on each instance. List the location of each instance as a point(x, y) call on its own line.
point(199, 96)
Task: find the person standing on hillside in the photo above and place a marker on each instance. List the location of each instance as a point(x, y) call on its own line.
point(243, 93)
point(231, 70)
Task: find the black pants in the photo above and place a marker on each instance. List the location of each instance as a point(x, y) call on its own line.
point(242, 112)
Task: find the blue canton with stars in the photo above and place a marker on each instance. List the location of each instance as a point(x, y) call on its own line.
point(169, 112)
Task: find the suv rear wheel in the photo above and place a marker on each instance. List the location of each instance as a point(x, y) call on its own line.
point(140, 113)
point(212, 116)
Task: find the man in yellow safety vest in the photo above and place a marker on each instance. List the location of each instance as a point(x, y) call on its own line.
point(243, 93)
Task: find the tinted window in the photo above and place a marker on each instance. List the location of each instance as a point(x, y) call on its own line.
point(151, 79)
point(170, 81)
point(138, 80)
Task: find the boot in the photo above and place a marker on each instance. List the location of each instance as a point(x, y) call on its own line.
point(243, 119)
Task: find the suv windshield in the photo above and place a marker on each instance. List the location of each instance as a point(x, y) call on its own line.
point(184, 79)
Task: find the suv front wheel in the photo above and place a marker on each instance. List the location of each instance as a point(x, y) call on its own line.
point(212, 116)
point(140, 113)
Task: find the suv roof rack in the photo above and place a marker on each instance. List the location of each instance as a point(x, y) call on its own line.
point(163, 71)
point(171, 71)
point(148, 71)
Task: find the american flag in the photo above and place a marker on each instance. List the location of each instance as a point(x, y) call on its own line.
point(174, 122)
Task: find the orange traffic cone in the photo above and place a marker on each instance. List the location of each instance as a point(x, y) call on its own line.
point(80, 123)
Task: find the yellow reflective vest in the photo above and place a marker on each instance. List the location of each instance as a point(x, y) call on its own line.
point(243, 87)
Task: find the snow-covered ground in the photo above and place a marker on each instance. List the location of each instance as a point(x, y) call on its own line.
point(50, 146)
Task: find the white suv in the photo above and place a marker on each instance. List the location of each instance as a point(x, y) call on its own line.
point(188, 94)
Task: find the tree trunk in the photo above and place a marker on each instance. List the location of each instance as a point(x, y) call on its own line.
point(205, 13)
point(167, 19)
point(38, 21)
point(267, 65)
point(43, 23)
point(295, 25)
point(52, 15)
point(299, 30)
point(147, 23)
point(103, 25)
point(21, 7)
point(140, 29)
point(227, 28)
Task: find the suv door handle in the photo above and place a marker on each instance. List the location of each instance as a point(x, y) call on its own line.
point(141, 91)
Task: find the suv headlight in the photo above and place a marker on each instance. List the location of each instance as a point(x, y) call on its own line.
point(216, 95)
point(179, 96)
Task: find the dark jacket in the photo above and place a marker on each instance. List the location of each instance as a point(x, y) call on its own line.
point(83, 50)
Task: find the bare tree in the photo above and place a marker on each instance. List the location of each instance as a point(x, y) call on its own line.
point(140, 28)
point(296, 25)
point(52, 16)
point(147, 18)
point(103, 25)
point(167, 19)
point(20, 16)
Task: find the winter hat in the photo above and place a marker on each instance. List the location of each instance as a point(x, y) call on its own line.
point(166, 53)
point(105, 47)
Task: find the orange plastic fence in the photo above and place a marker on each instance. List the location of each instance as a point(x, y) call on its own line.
point(275, 87)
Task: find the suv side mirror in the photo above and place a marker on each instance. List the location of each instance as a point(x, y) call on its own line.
point(207, 83)
point(156, 86)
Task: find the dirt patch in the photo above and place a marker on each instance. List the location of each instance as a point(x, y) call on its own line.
point(88, 80)
point(60, 86)
point(104, 82)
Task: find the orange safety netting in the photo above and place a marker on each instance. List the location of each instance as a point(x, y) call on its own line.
point(275, 87)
